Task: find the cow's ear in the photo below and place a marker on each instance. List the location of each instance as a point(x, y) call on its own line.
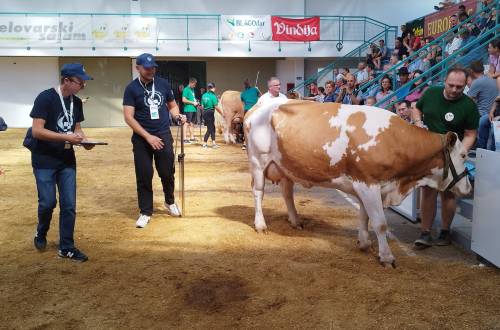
point(451, 139)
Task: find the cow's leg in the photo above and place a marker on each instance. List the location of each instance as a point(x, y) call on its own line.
point(287, 192)
point(363, 237)
point(371, 198)
point(258, 194)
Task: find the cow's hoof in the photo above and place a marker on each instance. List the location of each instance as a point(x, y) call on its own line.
point(299, 226)
point(387, 264)
point(365, 246)
point(261, 230)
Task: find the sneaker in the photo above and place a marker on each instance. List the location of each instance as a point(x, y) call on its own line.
point(424, 241)
point(173, 210)
point(444, 238)
point(142, 221)
point(193, 139)
point(244, 147)
point(40, 243)
point(215, 146)
point(73, 254)
point(204, 146)
point(187, 142)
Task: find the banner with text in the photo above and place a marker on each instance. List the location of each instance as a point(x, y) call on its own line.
point(80, 30)
point(288, 29)
point(246, 27)
point(439, 22)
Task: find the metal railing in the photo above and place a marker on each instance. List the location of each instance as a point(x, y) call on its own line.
point(356, 52)
point(104, 30)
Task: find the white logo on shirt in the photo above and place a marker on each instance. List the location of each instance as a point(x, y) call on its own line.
point(156, 100)
point(449, 116)
point(64, 125)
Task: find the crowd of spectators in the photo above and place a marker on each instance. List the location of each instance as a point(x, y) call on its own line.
point(383, 78)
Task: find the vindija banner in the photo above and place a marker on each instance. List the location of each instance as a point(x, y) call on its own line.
point(291, 29)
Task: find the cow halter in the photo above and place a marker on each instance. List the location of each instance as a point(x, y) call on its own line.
point(448, 164)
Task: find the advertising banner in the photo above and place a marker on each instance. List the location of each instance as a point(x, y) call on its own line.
point(288, 29)
point(439, 22)
point(246, 27)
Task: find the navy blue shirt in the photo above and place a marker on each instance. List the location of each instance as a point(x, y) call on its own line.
point(136, 96)
point(47, 106)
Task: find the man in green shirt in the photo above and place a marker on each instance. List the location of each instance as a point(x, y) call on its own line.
point(210, 104)
point(190, 105)
point(443, 110)
point(249, 96)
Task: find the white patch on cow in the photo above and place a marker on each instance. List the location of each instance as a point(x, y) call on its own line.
point(377, 120)
point(358, 159)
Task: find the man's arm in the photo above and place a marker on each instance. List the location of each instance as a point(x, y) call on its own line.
point(469, 139)
point(79, 131)
point(416, 117)
point(186, 101)
point(128, 113)
point(41, 133)
point(174, 110)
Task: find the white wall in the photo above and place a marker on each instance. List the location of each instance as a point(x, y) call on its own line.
point(290, 70)
point(23, 78)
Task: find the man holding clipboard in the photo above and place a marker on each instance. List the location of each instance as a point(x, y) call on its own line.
point(57, 113)
point(146, 102)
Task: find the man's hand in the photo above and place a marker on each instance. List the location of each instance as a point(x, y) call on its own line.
point(155, 142)
point(181, 118)
point(74, 138)
point(195, 103)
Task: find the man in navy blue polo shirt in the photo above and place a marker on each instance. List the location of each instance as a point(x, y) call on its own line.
point(57, 113)
point(146, 102)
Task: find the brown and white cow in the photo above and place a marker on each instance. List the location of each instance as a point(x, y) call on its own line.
point(364, 151)
point(233, 110)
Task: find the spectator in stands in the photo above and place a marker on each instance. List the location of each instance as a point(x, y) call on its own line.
point(404, 77)
point(483, 91)
point(417, 89)
point(329, 90)
point(403, 110)
point(370, 100)
point(313, 89)
point(399, 49)
point(348, 93)
point(456, 43)
point(321, 95)
point(490, 21)
point(370, 91)
point(362, 74)
point(443, 110)
point(494, 58)
point(384, 51)
point(418, 62)
point(385, 91)
point(374, 57)
point(404, 31)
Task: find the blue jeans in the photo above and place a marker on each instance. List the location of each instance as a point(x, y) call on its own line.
point(46, 182)
point(484, 133)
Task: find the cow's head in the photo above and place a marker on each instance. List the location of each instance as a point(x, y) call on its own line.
point(454, 174)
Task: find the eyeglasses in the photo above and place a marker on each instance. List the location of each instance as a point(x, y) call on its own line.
point(80, 83)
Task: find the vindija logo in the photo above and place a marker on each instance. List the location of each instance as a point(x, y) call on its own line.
point(297, 30)
point(230, 21)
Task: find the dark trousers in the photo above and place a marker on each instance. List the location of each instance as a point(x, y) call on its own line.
point(46, 182)
point(209, 118)
point(143, 161)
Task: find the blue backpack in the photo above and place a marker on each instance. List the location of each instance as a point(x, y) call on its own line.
point(3, 125)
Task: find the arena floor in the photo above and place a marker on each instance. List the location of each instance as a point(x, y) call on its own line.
point(210, 270)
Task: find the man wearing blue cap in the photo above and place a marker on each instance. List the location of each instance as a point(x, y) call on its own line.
point(57, 114)
point(146, 103)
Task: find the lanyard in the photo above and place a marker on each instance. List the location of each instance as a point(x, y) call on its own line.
point(67, 114)
point(152, 95)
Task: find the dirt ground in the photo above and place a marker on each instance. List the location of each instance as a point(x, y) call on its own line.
point(210, 270)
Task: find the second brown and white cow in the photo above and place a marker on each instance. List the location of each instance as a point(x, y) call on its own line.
point(233, 110)
point(364, 151)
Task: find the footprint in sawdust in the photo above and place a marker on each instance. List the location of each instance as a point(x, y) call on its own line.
point(215, 293)
point(304, 202)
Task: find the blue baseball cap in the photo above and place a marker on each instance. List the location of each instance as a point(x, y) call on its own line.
point(75, 70)
point(146, 60)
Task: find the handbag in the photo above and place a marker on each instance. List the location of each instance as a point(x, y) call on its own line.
point(29, 141)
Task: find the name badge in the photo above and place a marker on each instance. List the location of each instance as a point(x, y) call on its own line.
point(67, 145)
point(153, 111)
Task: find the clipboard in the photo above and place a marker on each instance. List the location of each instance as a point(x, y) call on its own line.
point(93, 143)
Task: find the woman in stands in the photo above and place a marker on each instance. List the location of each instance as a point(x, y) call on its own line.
point(418, 88)
point(385, 90)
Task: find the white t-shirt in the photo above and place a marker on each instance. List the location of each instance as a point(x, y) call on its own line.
point(268, 97)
